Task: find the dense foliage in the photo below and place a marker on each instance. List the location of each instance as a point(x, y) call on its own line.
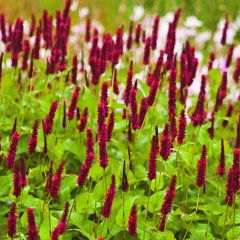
point(131, 136)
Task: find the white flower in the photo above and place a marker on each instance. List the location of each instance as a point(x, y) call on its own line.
point(192, 22)
point(2, 47)
point(74, 5)
point(83, 12)
point(138, 12)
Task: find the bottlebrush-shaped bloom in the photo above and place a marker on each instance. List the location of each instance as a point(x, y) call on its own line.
point(201, 169)
point(26, 51)
point(36, 47)
point(49, 178)
point(11, 155)
point(153, 91)
point(182, 123)
point(199, 115)
point(56, 180)
point(101, 117)
point(84, 170)
point(143, 111)
point(133, 109)
point(162, 223)
point(155, 32)
point(12, 221)
point(166, 143)
point(221, 165)
point(229, 114)
point(102, 143)
point(152, 163)
point(172, 93)
point(89, 141)
point(64, 120)
point(173, 128)
point(132, 221)
point(83, 120)
point(224, 31)
point(115, 82)
point(62, 224)
point(107, 206)
point(158, 66)
point(229, 56)
point(32, 143)
point(129, 39)
point(147, 48)
point(24, 179)
point(73, 104)
point(32, 227)
point(229, 198)
point(74, 69)
point(176, 17)
point(119, 40)
point(125, 185)
point(48, 121)
point(211, 60)
point(236, 72)
point(128, 88)
point(169, 197)
point(222, 91)
point(138, 33)
point(88, 30)
point(110, 126)
point(211, 129)
point(3, 28)
point(170, 45)
point(104, 97)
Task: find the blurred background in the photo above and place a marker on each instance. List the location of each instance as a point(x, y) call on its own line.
point(112, 13)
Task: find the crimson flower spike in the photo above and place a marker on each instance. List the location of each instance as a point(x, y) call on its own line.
point(56, 180)
point(102, 142)
point(172, 93)
point(176, 17)
point(173, 128)
point(222, 91)
point(48, 121)
point(74, 69)
point(211, 60)
point(133, 109)
point(119, 40)
point(84, 170)
point(90, 141)
point(64, 122)
point(26, 51)
point(224, 31)
point(221, 165)
point(199, 115)
point(125, 184)
point(143, 111)
point(132, 221)
point(88, 30)
point(104, 97)
point(129, 39)
point(24, 179)
point(32, 227)
point(166, 143)
point(32, 25)
point(107, 206)
point(16, 181)
point(152, 163)
point(155, 32)
point(211, 129)
point(153, 91)
point(115, 82)
point(44, 139)
point(83, 120)
point(129, 84)
point(3, 28)
point(36, 47)
point(49, 178)
point(110, 126)
point(229, 56)
point(236, 73)
point(32, 143)
point(159, 63)
point(146, 54)
point(229, 198)
point(229, 114)
point(168, 202)
point(62, 224)
point(201, 169)
point(12, 221)
point(182, 123)
point(73, 104)
point(138, 33)
point(11, 155)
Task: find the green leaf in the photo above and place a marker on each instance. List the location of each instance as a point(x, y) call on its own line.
point(85, 203)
